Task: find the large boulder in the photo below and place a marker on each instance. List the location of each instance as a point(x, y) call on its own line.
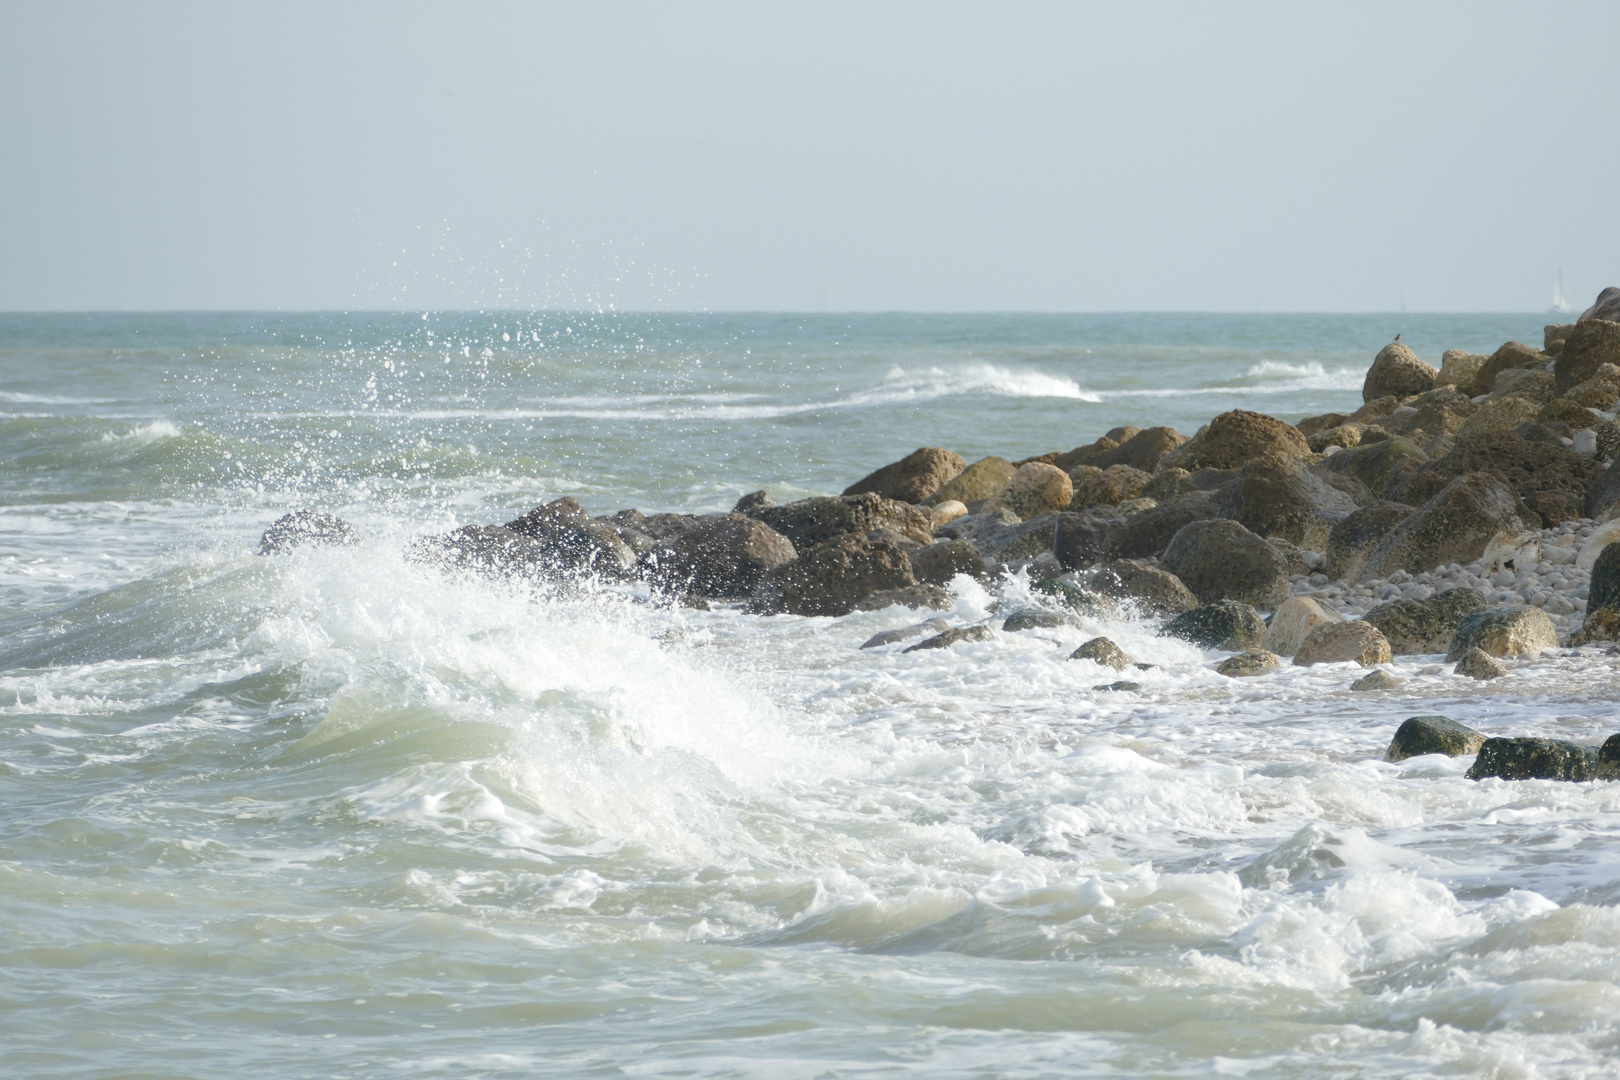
point(1511, 355)
point(1441, 411)
point(1145, 534)
point(1101, 650)
point(1397, 372)
point(1221, 560)
point(1292, 621)
point(942, 560)
point(1534, 759)
point(1460, 369)
point(953, 636)
point(723, 555)
point(1414, 627)
point(1279, 496)
point(914, 477)
point(1236, 437)
point(1607, 306)
point(1529, 468)
point(832, 577)
point(1106, 487)
point(1148, 589)
point(984, 479)
point(572, 542)
point(306, 528)
point(1478, 664)
point(1422, 735)
point(1081, 540)
point(1532, 384)
point(1343, 642)
point(1000, 535)
point(492, 550)
point(1593, 343)
point(1602, 621)
point(1500, 416)
point(1248, 664)
point(1143, 450)
point(1503, 631)
point(809, 522)
point(664, 526)
point(1352, 541)
point(1225, 624)
point(1038, 488)
point(1454, 526)
point(1378, 465)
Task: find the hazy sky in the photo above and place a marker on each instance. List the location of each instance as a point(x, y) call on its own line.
point(1055, 157)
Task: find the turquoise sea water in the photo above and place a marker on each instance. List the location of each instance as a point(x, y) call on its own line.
point(332, 814)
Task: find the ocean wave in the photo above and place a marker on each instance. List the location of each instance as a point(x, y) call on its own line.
point(45, 399)
point(1266, 377)
point(146, 433)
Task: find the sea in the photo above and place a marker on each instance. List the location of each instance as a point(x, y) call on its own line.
point(336, 814)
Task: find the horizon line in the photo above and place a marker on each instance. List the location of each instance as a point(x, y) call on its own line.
point(734, 311)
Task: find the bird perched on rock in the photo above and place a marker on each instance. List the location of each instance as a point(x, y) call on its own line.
point(1397, 338)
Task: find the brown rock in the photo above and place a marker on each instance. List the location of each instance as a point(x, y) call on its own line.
point(1529, 468)
point(1414, 627)
point(1146, 534)
point(914, 477)
point(1341, 642)
point(1106, 487)
point(1221, 560)
point(1352, 541)
point(1247, 664)
point(1311, 425)
point(1397, 372)
point(1100, 650)
point(1461, 369)
point(1591, 344)
point(1565, 411)
point(1037, 488)
point(952, 636)
point(830, 578)
point(1607, 306)
point(1152, 591)
point(1503, 631)
point(722, 555)
point(1378, 465)
point(1511, 355)
point(1454, 526)
point(984, 479)
point(1278, 496)
point(1477, 664)
point(1236, 437)
point(939, 562)
point(1293, 620)
point(809, 522)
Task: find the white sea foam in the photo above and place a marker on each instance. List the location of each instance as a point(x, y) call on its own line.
point(145, 434)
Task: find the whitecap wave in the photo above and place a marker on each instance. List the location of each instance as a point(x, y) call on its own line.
point(146, 433)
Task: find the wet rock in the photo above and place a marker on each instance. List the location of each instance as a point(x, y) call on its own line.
point(1100, 650)
point(1375, 680)
point(1341, 642)
point(1378, 465)
point(1235, 437)
point(722, 555)
point(1072, 597)
point(1150, 590)
point(1080, 540)
point(1294, 618)
point(572, 543)
point(1147, 534)
point(1602, 621)
point(809, 522)
point(952, 636)
point(1279, 496)
point(1454, 526)
point(1038, 619)
point(1534, 759)
point(917, 597)
point(1424, 626)
point(942, 560)
point(1038, 488)
point(1477, 664)
point(1003, 537)
point(1249, 663)
point(483, 549)
point(1106, 487)
point(1423, 735)
point(1221, 560)
point(656, 526)
point(914, 477)
point(1503, 631)
point(1590, 345)
point(1352, 541)
point(984, 479)
point(1123, 686)
point(1226, 624)
point(753, 501)
point(1461, 369)
point(1608, 765)
point(832, 577)
point(1397, 371)
point(905, 633)
point(306, 528)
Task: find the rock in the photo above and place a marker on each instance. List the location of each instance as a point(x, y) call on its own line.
point(483, 549)
point(1375, 409)
point(946, 512)
point(1353, 540)
point(1378, 465)
point(1397, 371)
point(1602, 621)
point(1454, 526)
point(309, 528)
point(1002, 536)
point(1106, 487)
point(1235, 437)
point(1608, 764)
point(1375, 680)
point(1123, 433)
point(1553, 337)
point(754, 500)
point(1532, 384)
point(832, 577)
point(1341, 642)
point(917, 597)
point(1441, 411)
point(1414, 627)
point(1038, 619)
point(1423, 735)
point(1602, 624)
point(658, 526)
point(1517, 551)
point(1313, 425)
point(1036, 489)
point(1593, 343)
point(1171, 481)
point(1148, 533)
point(809, 522)
point(1279, 496)
point(1225, 624)
point(1143, 450)
point(1509, 356)
point(1594, 394)
point(951, 637)
point(942, 560)
point(1534, 759)
point(905, 633)
point(572, 543)
point(1073, 597)
point(1100, 650)
point(1503, 631)
point(1079, 540)
point(1294, 618)
point(1528, 468)
point(1221, 560)
point(1594, 546)
point(984, 479)
point(1249, 663)
point(1344, 436)
point(1124, 685)
point(1565, 411)
point(1461, 369)
point(1148, 589)
point(1477, 664)
point(1499, 416)
point(1607, 306)
point(723, 555)
point(914, 477)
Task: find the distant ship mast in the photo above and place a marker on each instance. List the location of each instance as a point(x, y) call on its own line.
point(1560, 306)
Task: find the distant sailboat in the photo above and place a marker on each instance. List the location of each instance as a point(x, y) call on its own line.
point(1560, 306)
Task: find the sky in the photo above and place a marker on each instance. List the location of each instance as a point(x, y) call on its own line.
point(815, 157)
